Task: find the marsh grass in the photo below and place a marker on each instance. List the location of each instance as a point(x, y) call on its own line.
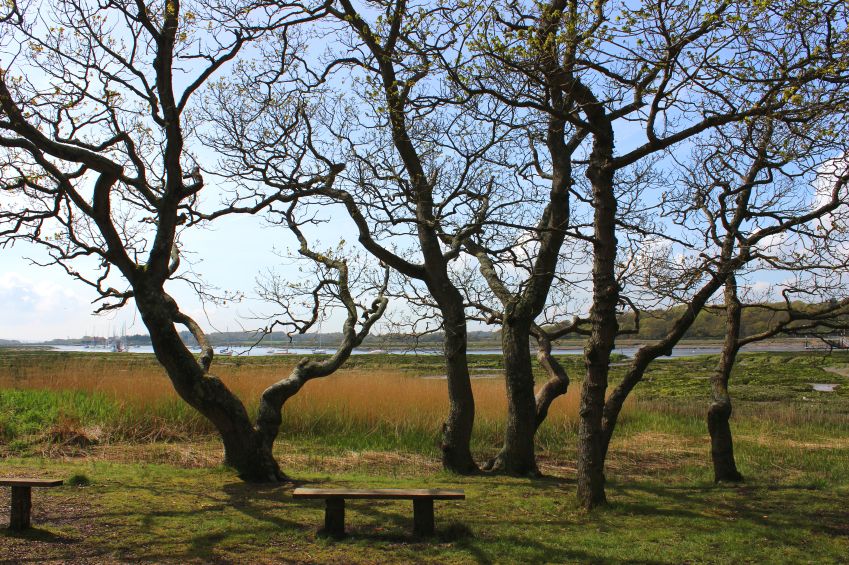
point(397, 402)
point(129, 398)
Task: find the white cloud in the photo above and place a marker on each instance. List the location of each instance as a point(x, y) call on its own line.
point(37, 307)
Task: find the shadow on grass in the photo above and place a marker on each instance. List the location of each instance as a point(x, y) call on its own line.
point(262, 502)
point(38, 534)
point(138, 522)
point(463, 540)
point(552, 481)
point(388, 524)
point(774, 509)
point(536, 551)
point(37, 545)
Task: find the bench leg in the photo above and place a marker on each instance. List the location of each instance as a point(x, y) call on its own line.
point(423, 517)
point(21, 506)
point(334, 517)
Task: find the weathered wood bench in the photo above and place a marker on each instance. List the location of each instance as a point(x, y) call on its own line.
point(19, 515)
point(334, 513)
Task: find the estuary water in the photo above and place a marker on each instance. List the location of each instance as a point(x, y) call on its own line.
point(684, 350)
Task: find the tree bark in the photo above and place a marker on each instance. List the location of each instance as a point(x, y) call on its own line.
point(721, 441)
point(603, 322)
point(557, 384)
point(719, 413)
point(252, 458)
point(457, 429)
point(517, 454)
point(243, 449)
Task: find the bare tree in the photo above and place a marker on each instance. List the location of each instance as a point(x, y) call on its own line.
point(417, 181)
point(753, 197)
point(97, 118)
point(791, 317)
point(518, 249)
point(672, 72)
point(333, 286)
point(791, 174)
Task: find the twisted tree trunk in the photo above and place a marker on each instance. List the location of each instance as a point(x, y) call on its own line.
point(243, 448)
point(719, 413)
point(558, 382)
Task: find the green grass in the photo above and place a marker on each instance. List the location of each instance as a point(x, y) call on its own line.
point(136, 497)
point(27, 412)
point(762, 377)
point(168, 513)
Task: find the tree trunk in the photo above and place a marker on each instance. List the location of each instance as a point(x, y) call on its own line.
point(590, 434)
point(243, 448)
point(719, 413)
point(517, 454)
point(457, 429)
point(252, 458)
point(557, 384)
point(721, 442)
point(603, 323)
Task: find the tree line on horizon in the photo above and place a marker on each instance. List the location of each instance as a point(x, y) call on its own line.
point(554, 169)
point(654, 324)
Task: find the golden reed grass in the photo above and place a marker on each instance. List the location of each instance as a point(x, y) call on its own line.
point(361, 398)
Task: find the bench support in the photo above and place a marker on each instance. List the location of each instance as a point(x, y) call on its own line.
point(423, 516)
point(19, 518)
point(334, 517)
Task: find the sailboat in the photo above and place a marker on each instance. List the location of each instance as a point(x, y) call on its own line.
point(118, 344)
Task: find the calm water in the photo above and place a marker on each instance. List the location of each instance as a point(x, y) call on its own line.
point(683, 351)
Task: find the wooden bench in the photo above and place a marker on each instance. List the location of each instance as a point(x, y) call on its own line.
point(19, 516)
point(334, 513)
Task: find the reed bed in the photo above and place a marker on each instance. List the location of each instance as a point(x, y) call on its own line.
point(134, 400)
point(382, 403)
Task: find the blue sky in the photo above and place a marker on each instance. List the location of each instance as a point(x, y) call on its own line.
point(43, 303)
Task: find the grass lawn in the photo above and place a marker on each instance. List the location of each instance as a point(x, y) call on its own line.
point(172, 502)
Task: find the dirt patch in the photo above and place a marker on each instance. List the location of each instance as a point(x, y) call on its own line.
point(361, 460)
point(841, 370)
point(650, 454)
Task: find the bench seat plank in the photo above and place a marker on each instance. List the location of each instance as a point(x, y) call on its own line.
point(380, 493)
point(27, 482)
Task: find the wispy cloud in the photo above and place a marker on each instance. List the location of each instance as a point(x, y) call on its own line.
point(36, 308)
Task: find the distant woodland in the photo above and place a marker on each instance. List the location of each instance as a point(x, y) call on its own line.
point(710, 324)
point(654, 324)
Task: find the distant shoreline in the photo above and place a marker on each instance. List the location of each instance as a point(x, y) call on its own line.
point(628, 348)
point(766, 345)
